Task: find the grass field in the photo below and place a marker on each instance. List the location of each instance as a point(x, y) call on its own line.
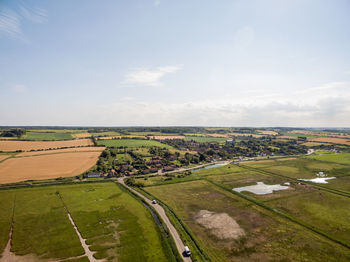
point(116, 225)
point(109, 133)
point(46, 166)
point(343, 158)
point(49, 136)
point(300, 168)
point(133, 143)
point(266, 237)
point(205, 139)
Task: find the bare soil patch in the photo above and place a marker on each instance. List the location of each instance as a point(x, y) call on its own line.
point(74, 149)
point(220, 224)
point(46, 166)
point(10, 146)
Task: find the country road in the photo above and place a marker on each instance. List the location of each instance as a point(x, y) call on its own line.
point(161, 213)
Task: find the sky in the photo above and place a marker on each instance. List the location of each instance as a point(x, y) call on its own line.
point(175, 63)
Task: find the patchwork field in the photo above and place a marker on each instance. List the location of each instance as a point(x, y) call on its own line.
point(11, 146)
point(167, 137)
point(66, 150)
point(131, 143)
point(204, 139)
point(46, 136)
point(82, 135)
point(116, 226)
point(340, 141)
point(230, 228)
point(46, 166)
point(343, 158)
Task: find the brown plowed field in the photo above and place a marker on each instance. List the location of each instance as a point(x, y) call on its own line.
point(74, 149)
point(81, 135)
point(167, 137)
point(9, 146)
point(340, 141)
point(46, 166)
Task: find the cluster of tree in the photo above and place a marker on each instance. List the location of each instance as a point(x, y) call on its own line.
point(14, 132)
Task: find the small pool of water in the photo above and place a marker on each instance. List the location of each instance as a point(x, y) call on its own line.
point(207, 167)
point(260, 188)
point(318, 180)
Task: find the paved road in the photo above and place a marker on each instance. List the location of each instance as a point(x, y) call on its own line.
point(161, 213)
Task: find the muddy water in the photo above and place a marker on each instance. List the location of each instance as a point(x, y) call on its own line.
point(260, 188)
point(318, 180)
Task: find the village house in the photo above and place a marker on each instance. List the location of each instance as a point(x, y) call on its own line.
point(92, 175)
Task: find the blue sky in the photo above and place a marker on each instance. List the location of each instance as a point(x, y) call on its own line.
point(184, 62)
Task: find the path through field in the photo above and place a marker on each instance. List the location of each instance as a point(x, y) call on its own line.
point(179, 244)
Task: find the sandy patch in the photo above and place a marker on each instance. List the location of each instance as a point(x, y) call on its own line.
point(220, 224)
point(46, 166)
point(74, 149)
point(9, 146)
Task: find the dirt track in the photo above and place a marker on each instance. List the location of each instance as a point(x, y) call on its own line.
point(161, 213)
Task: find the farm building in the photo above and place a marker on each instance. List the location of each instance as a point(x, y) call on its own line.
point(92, 175)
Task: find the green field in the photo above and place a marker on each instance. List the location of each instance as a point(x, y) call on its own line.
point(133, 143)
point(47, 136)
point(205, 139)
point(116, 225)
point(343, 158)
point(267, 237)
point(108, 133)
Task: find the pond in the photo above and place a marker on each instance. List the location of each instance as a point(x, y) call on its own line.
point(318, 180)
point(207, 167)
point(260, 188)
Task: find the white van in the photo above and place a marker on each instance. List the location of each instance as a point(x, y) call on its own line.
point(187, 251)
point(154, 201)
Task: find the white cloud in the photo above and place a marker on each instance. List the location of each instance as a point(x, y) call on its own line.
point(11, 21)
point(149, 77)
point(33, 14)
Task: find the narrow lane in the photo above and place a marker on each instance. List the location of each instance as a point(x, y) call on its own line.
point(161, 213)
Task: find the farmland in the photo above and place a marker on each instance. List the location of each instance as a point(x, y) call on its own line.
point(203, 139)
point(46, 166)
point(116, 226)
point(46, 136)
point(343, 158)
point(256, 236)
point(340, 141)
point(66, 150)
point(134, 143)
point(11, 146)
